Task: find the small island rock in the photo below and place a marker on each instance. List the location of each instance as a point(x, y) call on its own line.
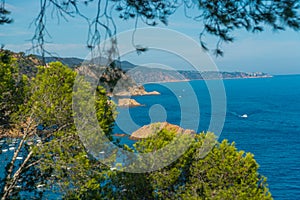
point(126, 102)
point(152, 129)
point(136, 91)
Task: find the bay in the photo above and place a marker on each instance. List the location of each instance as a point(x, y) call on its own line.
point(270, 128)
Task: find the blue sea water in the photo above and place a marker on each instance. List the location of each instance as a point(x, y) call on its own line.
point(271, 130)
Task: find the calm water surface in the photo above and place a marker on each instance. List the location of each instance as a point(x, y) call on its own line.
point(271, 131)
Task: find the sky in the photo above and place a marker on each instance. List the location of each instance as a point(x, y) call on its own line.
point(274, 53)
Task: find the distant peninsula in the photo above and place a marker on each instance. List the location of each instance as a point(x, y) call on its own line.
point(139, 74)
point(153, 75)
point(147, 74)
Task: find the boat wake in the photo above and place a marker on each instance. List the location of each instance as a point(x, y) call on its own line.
point(239, 115)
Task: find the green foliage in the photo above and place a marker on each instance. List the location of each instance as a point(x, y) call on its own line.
point(68, 166)
point(63, 158)
point(105, 111)
point(224, 173)
point(51, 98)
point(160, 140)
point(57, 155)
point(51, 95)
point(13, 87)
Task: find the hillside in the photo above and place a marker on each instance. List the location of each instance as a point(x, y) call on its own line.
point(148, 75)
point(73, 62)
point(28, 65)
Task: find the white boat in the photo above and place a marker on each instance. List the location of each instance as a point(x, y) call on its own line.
point(11, 148)
point(244, 116)
point(40, 186)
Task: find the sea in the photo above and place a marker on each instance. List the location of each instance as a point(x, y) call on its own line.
point(262, 116)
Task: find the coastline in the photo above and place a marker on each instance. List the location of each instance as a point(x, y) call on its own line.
point(226, 78)
point(4, 135)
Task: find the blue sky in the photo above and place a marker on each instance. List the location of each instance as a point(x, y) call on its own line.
point(275, 53)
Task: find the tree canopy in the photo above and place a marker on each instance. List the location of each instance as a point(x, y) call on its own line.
point(224, 173)
point(49, 142)
point(12, 87)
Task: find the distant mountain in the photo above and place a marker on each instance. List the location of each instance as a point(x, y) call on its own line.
point(76, 62)
point(125, 65)
point(72, 62)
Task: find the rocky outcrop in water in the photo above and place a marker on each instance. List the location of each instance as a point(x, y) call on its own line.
point(136, 91)
point(152, 129)
point(126, 102)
